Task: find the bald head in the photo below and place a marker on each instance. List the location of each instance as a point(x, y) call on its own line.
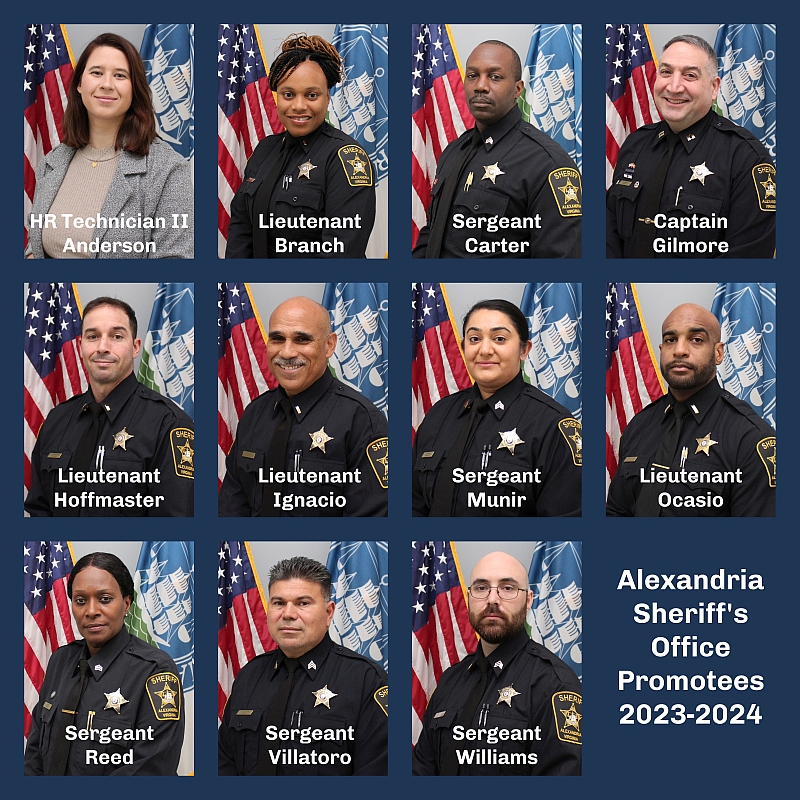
point(499, 566)
point(694, 315)
point(309, 311)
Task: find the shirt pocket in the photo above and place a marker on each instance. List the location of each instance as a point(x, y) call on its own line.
point(478, 202)
point(246, 734)
point(86, 757)
point(427, 470)
point(321, 497)
point(301, 196)
point(248, 464)
point(624, 200)
point(339, 751)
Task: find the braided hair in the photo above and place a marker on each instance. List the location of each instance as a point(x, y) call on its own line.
point(298, 48)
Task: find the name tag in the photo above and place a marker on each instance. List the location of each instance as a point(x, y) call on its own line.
point(428, 453)
point(248, 454)
point(54, 455)
point(244, 712)
point(630, 458)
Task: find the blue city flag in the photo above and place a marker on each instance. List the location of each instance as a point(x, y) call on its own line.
point(168, 55)
point(555, 314)
point(747, 55)
point(746, 314)
point(167, 364)
point(556, 616)
point(360, 574)
point(553, 96)
point(360, 319)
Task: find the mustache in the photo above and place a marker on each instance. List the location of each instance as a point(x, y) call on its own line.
point(290, 362)
point(673, 364)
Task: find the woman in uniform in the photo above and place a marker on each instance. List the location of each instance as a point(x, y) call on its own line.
point(309, 191)
point(501, 448)
point(110, 704)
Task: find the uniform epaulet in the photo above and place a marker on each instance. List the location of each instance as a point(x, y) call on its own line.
point(724, 124)
point(564, 671)
point(744, 408)
point(545, 399)
point(347, 653)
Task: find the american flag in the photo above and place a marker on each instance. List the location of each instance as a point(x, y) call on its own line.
point(439, 111)
point(442, 635)
point(246, 113)
point(48, 72)
point(242, 370)
point(630, 75)
point(632, 377)
point(53, 369)
point(241, 616)
point(48, 621)
point(437, 367)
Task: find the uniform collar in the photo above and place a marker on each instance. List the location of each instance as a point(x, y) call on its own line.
point(691, 136)
point(120, 395)
point(699, 404)
point(311, 661)
point(303, 403)
point(502, 656)
point(492, 135)
point(99, 663)
point(502, 399)
point(304, 142)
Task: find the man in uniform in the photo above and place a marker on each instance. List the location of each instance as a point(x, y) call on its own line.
point(510, 708)
point(120, 449)
point(503, 189)
point(695, 185)
point(310, 707)
point(314, 446)
point(698, 451)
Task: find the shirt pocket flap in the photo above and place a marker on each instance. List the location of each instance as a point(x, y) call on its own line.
point(627, 192)
point(304, 196)
point(703, 205)
point(250, 186)
point(54, 461)
point(483, 202)
point(246, 719)
point(429, 460)
point(443, 719)
point(249, 461)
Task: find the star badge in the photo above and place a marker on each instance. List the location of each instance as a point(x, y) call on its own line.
point(700, 173)
point(509, 440)
point(324, 697)
point(570, 191)
point(312, 665)
point(115, 700)
point(167, 697)
point(358, 166)
point(187, 454)
point(119, 441)
point(578, 439)
point(319, 439)
point(571, 716)
point(305, 170)
point(506, 694)
point(704, 443)
point(492, 171)
point(770, 188)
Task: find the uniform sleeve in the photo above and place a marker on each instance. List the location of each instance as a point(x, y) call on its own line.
point(423, 760)
point(553, 698)
point(615, 247)
point(559, 236)
point(369, 452)
point(421, 247)
point(176, 486)
point(560, 492)
point(232, 501)
point(755, 496)
point(617, 504)
point(175, 201)
point(419, 506)
point(372, 735)
point(37, 501)
point(34, 760)
point(240, 228)
point(226, 763)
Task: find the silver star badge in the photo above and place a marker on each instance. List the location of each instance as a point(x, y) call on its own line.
point(115, 700)
point(492, 171)
point(510, 440)
point(324, 696)
point(319, 439)
point(305, 170)
point(700, 173)
point(506, 694)
point(119, 441)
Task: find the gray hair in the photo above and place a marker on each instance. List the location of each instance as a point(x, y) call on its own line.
point(304, 569)
point(698, 41)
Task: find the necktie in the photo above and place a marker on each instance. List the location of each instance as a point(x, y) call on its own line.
point(276, 454)
point(442, 505)
point(275, 716)
point(647, 502)
point(264, 196)
point(84, 453)
point(441, 217)
point(465, 716)
point(60, 754)
point(651, 201)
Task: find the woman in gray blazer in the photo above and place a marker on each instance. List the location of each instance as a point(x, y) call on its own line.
point(113, 188)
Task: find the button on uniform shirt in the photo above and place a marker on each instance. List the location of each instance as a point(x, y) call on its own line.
point(518, 172)
point(127, 674)
point(328, 174)
point(141, 431)
point(720, 434)
point(333, 689)
point(718, 169)
point(355, 437)
point(529, 687)
point(523, 430)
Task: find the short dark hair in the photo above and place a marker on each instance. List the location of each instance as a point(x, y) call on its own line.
point(111, 564)
point(518, 319)
point(516, 64)
point(114, 302)
point(304, 569)
point(702, 44)
point(298, 48)
point(138, 129)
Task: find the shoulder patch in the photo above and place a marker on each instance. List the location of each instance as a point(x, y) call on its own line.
point(382, 699)
point(164, 691)
point(181, 441)
point(356, 165)
point(767, 452)
point(378, 455)
point(567, 708)
point(566, 185)
point(572, 431)
point(764, 178)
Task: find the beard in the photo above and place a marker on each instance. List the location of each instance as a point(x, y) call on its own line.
point(496, 631)
point(699, 376)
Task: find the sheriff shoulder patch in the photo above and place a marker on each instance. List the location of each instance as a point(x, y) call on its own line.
point(765, 180)
point(567, 713)
point(164, 691)
point(566, 185)
point(356, 164)
point(572, 431)
point(767, 452)
point(378, 455)
point(181, 441)
point(382, 699)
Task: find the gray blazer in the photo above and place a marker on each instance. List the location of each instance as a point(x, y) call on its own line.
point(157, 185)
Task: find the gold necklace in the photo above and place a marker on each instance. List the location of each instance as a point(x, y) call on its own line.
point(95, 161)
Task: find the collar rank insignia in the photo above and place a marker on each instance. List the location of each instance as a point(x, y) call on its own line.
point(492, 172)
point(121, 438)
point(115, 700)
point(323, 697)
point(312, 665)
point(509, 440)
point(305, 170)
point(700, 173)
point(704, 443)
point(498, 665)
point(506, 694)
point(319, 439)
point(499, 406)
point(489, 141)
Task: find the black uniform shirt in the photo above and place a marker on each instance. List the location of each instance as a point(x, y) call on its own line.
point(141, 432)
point(328, 174)
point(518, 172)
point(549, 441)
point(720, 434)
point(353, 436)
point(127, 674)
point(333, 688)
point(718, 169)
point(529, 689)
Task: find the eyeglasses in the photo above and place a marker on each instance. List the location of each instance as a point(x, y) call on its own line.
point(480, 591)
